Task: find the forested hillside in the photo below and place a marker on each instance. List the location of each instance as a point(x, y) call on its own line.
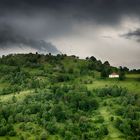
point(46, 97)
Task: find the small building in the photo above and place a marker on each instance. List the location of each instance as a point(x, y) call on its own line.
point(114, 75)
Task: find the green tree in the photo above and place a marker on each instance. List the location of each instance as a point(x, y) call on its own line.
point(121, 73)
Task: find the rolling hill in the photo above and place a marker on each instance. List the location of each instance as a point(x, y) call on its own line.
point(46, 97)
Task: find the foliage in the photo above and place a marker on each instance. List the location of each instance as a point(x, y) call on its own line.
point(59, 103)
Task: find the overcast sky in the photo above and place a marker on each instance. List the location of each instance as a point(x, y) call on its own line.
point(106, 29)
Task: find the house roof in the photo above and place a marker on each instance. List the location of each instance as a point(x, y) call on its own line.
point(114, 73)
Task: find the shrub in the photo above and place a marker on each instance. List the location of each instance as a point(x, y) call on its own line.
point(43, 136)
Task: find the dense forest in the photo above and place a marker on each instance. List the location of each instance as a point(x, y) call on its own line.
point(46, 97)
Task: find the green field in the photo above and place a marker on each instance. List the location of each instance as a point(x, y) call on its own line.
point(66, 98)
point(132, 85)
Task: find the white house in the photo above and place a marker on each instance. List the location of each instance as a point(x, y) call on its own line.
point(114, 75)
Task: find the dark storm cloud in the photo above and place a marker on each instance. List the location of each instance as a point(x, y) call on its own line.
point(133, 35)
point(10, 38)
point(34, 20)
point(56, 17)
point(101, 10)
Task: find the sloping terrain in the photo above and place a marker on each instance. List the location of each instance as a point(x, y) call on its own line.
point(66, 98)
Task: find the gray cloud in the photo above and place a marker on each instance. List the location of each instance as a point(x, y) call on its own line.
point(10, 38)
point(101, 10)
point(106, 36)
point(132, 35)
point(46, 18)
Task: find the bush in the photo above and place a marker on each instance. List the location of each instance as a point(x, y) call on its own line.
point(12, 133)
point(51, 128)
point(43, 136)
point(114, 91)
